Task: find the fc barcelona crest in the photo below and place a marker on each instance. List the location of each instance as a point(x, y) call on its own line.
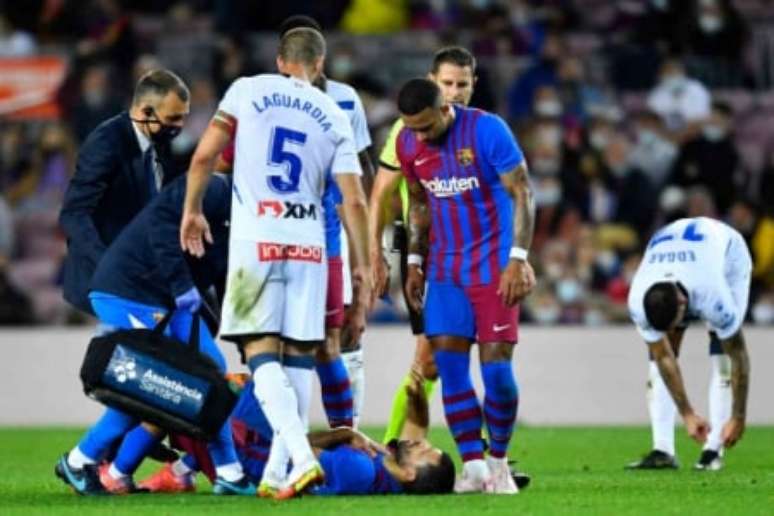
point(465, 156)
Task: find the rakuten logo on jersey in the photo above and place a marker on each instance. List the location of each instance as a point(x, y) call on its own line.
point(449, 187)
point(270, 252)
point(287, 210)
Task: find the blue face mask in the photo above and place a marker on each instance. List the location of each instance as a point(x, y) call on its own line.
point(713, 133)
point(568, 291)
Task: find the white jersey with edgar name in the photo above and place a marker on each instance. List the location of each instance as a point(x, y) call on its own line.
point(289, 135)
point(707, 257)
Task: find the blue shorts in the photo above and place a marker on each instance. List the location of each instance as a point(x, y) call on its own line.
point(476, 313)
point(121, 313)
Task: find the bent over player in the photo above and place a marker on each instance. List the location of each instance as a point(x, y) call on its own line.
point(697, 268)
point(470, 195)
point(288, 136)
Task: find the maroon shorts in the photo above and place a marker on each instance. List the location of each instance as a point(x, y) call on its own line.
point(334, 303)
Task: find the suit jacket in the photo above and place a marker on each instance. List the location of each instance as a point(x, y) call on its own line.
point(145, 264)
point(109, 187)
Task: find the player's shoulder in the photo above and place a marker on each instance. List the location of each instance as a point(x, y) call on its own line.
point(406, 143)
point(341, 92)
point(353, 470)
point(485, 120)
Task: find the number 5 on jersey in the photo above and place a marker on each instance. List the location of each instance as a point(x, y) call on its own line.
point(279, 156)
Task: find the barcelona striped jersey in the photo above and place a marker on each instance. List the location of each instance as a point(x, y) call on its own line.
point(471, 230)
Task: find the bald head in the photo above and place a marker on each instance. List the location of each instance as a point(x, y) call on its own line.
point(302, 45)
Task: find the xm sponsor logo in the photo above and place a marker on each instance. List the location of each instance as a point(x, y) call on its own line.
point(286, 210)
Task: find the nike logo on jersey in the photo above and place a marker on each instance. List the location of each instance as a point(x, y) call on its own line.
point(421, 161)
point(328, 313)
point(500, 327)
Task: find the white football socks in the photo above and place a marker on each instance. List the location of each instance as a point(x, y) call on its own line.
point(231, 472)
point(77, 460)
point(720, 399)
point(115, 473)
point(180, 468)
point(353, 361)
point(301, 379)
point(662, 410)
point(280, 405)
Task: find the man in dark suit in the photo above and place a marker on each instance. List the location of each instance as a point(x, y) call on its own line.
point(121, 166)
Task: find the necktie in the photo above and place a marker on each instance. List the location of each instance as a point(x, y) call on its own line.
point(153, 170)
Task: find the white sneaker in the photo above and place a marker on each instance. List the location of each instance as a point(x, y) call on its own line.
point(301, 478)
point(502, 479)
point(475, 478)
point(710, 460)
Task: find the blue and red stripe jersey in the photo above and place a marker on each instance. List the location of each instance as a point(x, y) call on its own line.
point(471, 229)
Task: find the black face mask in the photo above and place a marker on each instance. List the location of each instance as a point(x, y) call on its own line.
point(165, 134)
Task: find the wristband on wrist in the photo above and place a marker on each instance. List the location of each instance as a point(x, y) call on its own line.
point(415, 259)
point(518, 253)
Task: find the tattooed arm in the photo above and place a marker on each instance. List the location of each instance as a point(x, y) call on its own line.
point(419, 238)
point(518, 278)
point(740, 382)
point(667, 364)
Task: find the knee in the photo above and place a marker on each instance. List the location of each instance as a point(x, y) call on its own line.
point(496, 352)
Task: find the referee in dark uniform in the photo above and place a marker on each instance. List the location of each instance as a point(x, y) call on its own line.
point(121, 166)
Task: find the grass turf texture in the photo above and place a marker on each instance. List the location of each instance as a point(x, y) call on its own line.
point(574, 470)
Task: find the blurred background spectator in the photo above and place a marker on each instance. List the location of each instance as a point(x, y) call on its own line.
point(630, 113)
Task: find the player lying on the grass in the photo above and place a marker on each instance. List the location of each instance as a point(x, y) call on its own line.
point(353, 464)
point(141, 275)
point(697, 268)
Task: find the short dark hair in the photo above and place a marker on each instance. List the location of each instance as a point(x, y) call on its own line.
point(160, 83)
point(296, 21)
point(661, 305)
point(433, 478)
point(458, 56)
point(302, 45)
point(417, 95)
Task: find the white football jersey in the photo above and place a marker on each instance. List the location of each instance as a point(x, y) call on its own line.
point(349, 101)
point(289, 135)
point(710, 259)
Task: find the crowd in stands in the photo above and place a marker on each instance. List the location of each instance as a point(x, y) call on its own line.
point(631, 114)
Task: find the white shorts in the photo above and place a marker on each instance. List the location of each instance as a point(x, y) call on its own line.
point(347, 272)
point(275, 289)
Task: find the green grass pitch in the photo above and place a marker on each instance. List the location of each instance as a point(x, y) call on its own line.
point(574, 471)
